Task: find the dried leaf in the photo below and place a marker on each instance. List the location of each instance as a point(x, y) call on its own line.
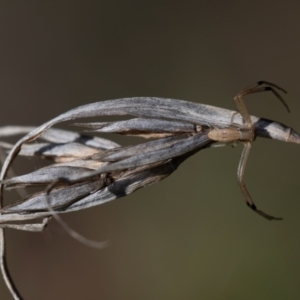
point(44, 176)
point(51, 150)
point(59, 197)
point(148, 128)
point(58, 136)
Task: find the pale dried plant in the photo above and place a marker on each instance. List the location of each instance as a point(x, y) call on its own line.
point(85, 170)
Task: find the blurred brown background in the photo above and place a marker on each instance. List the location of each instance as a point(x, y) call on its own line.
point(190, 236)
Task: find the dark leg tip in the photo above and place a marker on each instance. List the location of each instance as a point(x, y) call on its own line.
point(251, 205)
point(263, 214)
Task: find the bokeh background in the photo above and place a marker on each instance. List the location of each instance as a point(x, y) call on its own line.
point(190, 236)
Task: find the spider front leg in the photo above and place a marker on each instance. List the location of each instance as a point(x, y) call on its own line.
point(249, 137)
point(256, 88)
point(240, 177)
